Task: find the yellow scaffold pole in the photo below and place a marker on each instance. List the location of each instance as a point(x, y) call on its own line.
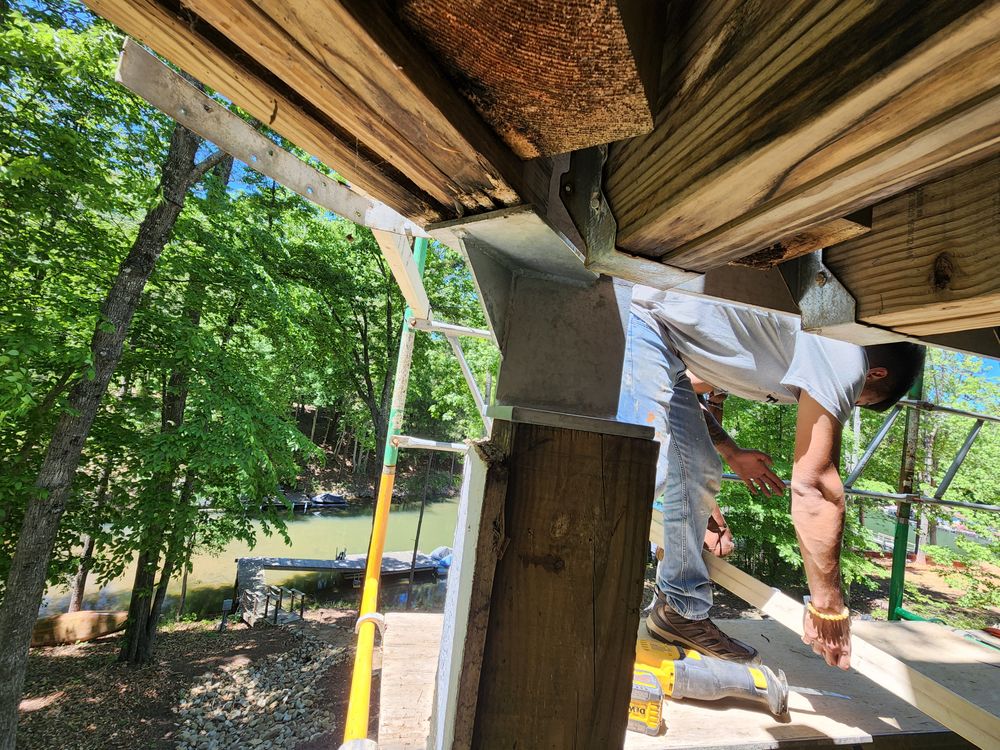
point(356, 729)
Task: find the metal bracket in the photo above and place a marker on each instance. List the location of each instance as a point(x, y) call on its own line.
point(826, 306)
point(377, 618)
point(581, 196)
point(823, 301)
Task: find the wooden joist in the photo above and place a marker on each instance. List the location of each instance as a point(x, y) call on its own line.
point(963, 717)
point(195, 47)
point(367, 103)
point(782, 116)
point(815, 238)
point(326, 55)
point(931, 263)
point(550, 77)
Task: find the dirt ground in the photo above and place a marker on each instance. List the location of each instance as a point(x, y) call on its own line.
point(79, 697)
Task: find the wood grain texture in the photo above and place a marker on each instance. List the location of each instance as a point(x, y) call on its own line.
point(406, 688)
point(490, 547)
point(809, 240)
point(548, 77)
point(931, 263)
point(346, 75)
point(560, 643)
point(786, 115)
point(197, 49)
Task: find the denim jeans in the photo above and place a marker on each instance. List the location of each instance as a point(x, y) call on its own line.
point(656, 391)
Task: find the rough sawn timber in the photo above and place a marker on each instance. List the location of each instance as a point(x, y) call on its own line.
point(320, 51)
point(550, 77)
point(931, 263)
point(197, 49)
point(786, 115)
point(560, 641)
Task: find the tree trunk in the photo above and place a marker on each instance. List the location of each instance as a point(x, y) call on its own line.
point(312, 431)
point(140, 633)
point(26, 579)
point(79, 585)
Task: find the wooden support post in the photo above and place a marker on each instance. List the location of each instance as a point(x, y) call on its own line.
point(931, 263)
point(972, 722)
point(786, 115)
point(554, 602)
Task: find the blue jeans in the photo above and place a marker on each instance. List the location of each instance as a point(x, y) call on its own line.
point(656, 391)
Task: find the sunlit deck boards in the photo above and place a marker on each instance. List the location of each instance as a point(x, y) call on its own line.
point(411, 644)
point(873, 715)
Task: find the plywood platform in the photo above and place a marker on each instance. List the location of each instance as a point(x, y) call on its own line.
point(872, 716)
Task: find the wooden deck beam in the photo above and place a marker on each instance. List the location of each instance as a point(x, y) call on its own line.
point(931, 263)
point(326, 55)
point(783, 116)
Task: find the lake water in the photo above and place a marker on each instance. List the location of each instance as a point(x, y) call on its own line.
point(313, 535)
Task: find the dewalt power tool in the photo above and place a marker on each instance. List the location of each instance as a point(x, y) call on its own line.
point(664, 670)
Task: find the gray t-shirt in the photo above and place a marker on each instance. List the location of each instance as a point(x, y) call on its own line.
point(762, 356)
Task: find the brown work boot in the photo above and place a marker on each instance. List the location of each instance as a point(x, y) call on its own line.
point(701, 635)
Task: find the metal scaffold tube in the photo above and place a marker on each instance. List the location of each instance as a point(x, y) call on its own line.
point(358, 710)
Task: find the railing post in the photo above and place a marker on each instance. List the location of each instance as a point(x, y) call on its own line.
point(356, 724)
point(906, 471)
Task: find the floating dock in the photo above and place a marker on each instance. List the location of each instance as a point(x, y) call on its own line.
point(872, 717)
point(250, 570)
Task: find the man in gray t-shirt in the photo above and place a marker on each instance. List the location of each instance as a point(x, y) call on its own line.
point(765, 357)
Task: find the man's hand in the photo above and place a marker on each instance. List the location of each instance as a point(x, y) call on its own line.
point(754, 468)
point(718, 537)
point(831, 639)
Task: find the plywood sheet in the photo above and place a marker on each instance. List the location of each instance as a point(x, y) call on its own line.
point(873, 715)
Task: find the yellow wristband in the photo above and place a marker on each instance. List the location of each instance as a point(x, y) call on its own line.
point(846, 613)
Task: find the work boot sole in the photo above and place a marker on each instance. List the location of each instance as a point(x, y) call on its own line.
point(663, 631)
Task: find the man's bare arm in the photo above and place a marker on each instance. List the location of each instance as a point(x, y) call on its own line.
point(818, 515)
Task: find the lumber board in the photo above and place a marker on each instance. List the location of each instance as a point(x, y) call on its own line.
point(143, 73)
point(549, 77)
point(931, 263)
point(407, 684)
point(560, 641)
point(398, 255)
point(195, 48)
point(350, 83)
point(792, 114)
point(809, 240)
point(963, 717)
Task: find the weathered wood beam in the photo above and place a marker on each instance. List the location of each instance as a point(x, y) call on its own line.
point(397, 253)
point(324, 54)
point(972, 722)
point(142, 73)
point(556, 661)
point(197, 49)
point(787, 115)
point(931, 263)
point(809, 240)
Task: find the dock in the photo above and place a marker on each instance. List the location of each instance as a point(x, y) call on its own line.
point(872, 717)
point(250, 570)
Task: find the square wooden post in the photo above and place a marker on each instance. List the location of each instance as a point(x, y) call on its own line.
point(553, 606)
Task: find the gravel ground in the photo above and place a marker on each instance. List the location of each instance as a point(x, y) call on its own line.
point(271, 703)
point(78, 697)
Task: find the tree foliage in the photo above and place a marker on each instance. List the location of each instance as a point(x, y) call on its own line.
point(260, 300)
